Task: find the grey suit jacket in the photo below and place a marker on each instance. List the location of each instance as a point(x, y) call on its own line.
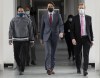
point(55, 28)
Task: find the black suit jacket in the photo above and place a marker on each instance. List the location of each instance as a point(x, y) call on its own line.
point(76, 28)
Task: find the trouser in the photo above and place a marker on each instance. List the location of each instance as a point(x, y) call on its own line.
point(50, 48)
point(20, 50)
point(85, 44)
point(27, 59)
point(32, 53)
point(69, 46)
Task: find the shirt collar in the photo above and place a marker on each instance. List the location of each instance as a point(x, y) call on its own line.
point(81, 15)
point(51, 12)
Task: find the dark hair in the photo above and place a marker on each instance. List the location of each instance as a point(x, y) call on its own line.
point(51, 3)
point(19, 7)
point(70, 16)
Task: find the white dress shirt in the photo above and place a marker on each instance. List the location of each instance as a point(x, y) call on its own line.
point(84, 27)
point(51, 13)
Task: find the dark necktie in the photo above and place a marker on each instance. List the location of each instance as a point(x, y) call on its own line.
point(50, 19)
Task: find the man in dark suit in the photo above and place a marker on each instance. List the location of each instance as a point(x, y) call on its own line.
point(51, 29)
point(82, 37)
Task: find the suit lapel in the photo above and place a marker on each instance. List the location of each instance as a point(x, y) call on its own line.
point(47, 18)
point(79, 24)
point(78, 19)
point(86, 21)
point(54, 15)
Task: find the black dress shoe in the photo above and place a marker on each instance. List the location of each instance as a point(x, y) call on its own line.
point(78, 71)
point(49, 72)
point(33, 63)
point(85, 73)
point(27, 64)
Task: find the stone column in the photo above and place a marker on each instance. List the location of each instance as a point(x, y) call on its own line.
point(8, 10)
point(1, 34)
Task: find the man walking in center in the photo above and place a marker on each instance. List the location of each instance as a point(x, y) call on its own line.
point(51, 29)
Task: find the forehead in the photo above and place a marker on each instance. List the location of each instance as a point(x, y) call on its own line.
point(50, 5)
point(20, 9)
point(81, 6)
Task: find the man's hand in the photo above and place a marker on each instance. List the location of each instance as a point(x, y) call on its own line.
point(74, 42)
point(10, 42)
point(32, 43)
point(61, 35)
point(91, 43)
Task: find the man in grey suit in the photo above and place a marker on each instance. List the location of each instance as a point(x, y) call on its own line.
point(51, 29)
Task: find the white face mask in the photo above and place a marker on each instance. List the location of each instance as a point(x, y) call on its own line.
point(28, 12)
point(81, 11)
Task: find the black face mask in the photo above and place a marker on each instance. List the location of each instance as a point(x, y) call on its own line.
point(50, 9)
